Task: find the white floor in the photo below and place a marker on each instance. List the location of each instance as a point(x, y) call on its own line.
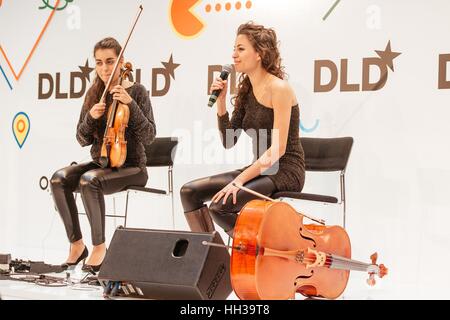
point(357, 289)
point(408, 278)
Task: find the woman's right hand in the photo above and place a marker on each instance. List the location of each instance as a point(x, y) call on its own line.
point(221, 85)
point(97, 110)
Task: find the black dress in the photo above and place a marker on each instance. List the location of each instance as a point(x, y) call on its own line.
point(257, 121)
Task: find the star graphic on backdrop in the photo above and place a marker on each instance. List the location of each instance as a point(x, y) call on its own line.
point(86, 70)
point(170, 66)
point(387, 56)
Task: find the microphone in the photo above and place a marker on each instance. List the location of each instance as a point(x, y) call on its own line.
point(226, 69)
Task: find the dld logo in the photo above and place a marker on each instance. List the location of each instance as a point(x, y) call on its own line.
point(444, 59)
point(382, 62)
point(49, 85)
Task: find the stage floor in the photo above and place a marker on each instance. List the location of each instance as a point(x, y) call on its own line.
point(357, 289)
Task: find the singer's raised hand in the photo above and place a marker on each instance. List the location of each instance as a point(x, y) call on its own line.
point(219, 84)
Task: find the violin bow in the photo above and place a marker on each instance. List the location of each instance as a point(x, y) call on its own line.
point(102, 99)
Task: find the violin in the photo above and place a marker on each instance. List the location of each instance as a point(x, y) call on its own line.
point(274, 254)
point(114, 146)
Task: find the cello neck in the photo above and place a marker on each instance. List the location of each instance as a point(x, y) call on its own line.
point(338, 262)
point(313, 258)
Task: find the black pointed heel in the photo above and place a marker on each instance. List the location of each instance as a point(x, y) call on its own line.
point(83, 256)
point(91, 268)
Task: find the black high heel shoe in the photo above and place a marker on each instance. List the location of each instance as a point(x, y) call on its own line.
point(91, 268)
point(83, 256)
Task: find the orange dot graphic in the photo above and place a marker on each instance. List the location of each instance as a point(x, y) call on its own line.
point(20, 126)
point(218, 7)
point(238, 5)
point(208, 8)
point(228, 6)
point(248, 4)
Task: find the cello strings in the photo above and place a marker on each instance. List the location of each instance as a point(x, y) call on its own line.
point(332, 261)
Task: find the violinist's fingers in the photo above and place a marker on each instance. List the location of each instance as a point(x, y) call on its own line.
point(117, 89)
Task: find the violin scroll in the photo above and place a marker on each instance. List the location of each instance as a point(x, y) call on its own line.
point(126, 70)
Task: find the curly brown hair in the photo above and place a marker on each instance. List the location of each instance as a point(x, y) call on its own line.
point(95, 91)
point(264, 41)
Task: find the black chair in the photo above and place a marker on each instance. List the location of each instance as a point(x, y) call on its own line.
point(324, 155)
point(160, 153)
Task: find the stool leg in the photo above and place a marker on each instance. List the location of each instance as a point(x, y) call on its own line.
point(126, 210)
point(342, 180)
point(170, 173)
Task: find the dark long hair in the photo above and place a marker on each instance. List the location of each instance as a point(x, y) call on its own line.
point(264, 41)
point(95, 91)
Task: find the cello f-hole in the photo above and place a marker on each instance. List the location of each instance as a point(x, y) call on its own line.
point(307, 238)
point(305, 276)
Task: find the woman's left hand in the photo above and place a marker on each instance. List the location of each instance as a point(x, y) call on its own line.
point(228, 190)
point(120, 94)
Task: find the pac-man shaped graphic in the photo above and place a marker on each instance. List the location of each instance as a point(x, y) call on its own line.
point(183, 19)
point(21, 128)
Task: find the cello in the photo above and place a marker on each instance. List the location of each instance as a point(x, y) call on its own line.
point(114, 146)
point(274, 254)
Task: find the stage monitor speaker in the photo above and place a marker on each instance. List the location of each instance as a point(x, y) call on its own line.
point(160, 264)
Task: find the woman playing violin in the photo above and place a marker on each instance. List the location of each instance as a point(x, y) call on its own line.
point(92, 181)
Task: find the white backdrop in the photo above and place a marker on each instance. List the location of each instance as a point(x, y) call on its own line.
point(397, 176)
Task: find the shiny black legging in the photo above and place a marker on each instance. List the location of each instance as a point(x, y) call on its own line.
point(93, 183)
point(195, 193)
